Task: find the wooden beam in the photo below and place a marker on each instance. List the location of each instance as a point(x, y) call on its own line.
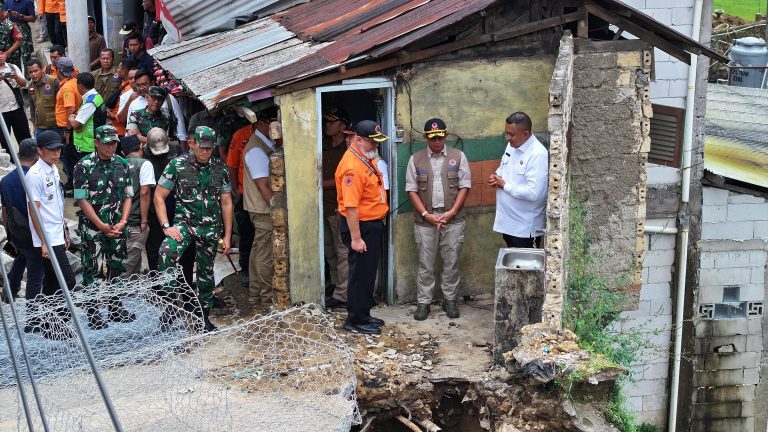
point(583, 30)
point(406, 58)
point(640, 32)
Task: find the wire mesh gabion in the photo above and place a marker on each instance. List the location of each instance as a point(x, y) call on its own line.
point(285, 371)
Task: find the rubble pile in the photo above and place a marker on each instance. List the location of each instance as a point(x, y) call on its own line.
point(546, 353)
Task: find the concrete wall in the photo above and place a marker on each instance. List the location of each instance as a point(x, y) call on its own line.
point(474, 98)
point(609, 150)
point(730, 363)
point(558, 194)
point(299, 121)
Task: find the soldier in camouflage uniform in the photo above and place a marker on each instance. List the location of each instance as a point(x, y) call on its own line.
point(11, 38)
point(150, 116)
point(103, 190)
point(203, 210)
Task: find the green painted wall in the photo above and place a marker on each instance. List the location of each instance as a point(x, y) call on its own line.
point(299, 121)
point(474, 98)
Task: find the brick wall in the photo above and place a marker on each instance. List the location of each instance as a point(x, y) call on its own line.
point(671, 83)
point(647, 393)
point(729, 348)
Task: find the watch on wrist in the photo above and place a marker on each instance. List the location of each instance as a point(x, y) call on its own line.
point(165, 225)
point(424, 213)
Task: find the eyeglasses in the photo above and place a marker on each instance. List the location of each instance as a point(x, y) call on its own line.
point(142, 85)
point(208, 149)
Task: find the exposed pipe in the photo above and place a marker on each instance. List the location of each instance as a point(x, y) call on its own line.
point(651, 229)
point(684, 221)
point(409, 424)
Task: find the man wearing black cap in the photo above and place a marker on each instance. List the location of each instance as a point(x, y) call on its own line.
point(437, 180)
point(334, 147)
point(143, 179)
point(362, 203)
point(150, 116)
point(48, 197)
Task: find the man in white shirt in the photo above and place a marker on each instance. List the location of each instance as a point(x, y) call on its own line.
point(46, 192)
point(143, 179)
point(521, 182)
point(256, 201)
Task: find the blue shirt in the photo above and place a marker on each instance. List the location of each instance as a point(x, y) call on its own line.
point(12, 192)
point(24, 7)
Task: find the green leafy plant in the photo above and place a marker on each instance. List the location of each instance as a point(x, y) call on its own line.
point(591, 306)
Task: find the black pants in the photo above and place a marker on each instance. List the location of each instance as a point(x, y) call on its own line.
point(523, 242)
point(362, 268)
point(245, 232)
point(56, 29)
point(50, 282)
point(17, 122)
point(70, 156)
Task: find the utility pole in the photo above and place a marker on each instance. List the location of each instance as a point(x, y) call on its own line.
point(77, 34)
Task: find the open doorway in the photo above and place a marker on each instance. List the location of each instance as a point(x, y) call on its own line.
point(366, 99)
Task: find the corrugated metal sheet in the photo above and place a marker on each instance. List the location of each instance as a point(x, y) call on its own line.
point(736, 141)
point(198, 17)
point(304, 40)
point(219, 49)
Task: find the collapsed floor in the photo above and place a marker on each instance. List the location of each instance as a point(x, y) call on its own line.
point(438, 375)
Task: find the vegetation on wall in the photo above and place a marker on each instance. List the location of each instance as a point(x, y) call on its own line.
point(591, 306)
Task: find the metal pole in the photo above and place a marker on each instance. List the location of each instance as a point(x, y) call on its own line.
point(65, 290)
point(12, 352)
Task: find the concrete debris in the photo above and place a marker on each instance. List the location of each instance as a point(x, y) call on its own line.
point(546, 353)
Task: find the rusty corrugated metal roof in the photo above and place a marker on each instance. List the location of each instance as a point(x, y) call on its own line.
point(736, 140)
point(300, 42)
point(311, 38)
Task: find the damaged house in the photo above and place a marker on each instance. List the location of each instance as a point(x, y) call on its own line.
point(601, 80)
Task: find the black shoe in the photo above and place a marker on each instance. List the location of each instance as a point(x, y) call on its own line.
point(121, 315)
point(29, 328)
point(422, 312)
point(376, 321)
point(95, 322)
point(209, 327)
point(367, 328)
point(329, 289)
point(57, 330)
point(334, 303)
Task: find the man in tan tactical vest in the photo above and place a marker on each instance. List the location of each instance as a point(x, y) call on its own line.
point(256, 199)
point(437, 181)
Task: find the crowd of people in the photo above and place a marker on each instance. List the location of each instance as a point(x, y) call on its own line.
point(148, 178)
point(153, 179)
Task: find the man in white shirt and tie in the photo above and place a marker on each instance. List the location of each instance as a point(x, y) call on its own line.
point(521, 183)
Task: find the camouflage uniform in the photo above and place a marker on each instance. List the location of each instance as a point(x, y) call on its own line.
point(198, 216)
point(8, 31)
point(105, 185)
point(145, 120)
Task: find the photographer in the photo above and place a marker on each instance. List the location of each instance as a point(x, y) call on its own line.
point(11, 102)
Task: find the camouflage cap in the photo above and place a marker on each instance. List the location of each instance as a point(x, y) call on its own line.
point(157, 91)
point(205, 136)
point(106, 134)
